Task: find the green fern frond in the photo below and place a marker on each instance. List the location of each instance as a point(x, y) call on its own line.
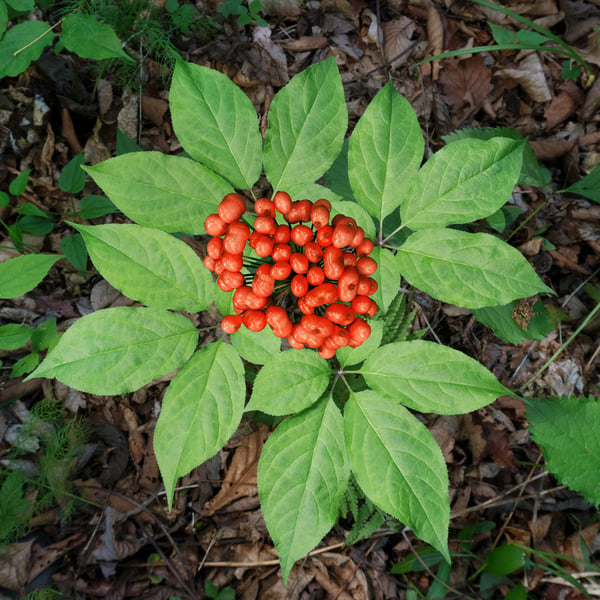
point(367, 518)
point(398, 320)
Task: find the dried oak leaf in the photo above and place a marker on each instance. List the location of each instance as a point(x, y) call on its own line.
point(466, 83)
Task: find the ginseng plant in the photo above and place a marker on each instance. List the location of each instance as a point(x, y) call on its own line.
point(303, 278)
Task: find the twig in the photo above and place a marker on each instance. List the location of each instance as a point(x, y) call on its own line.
point(39, 37)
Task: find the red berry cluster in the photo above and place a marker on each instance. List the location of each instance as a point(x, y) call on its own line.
point(323, 267)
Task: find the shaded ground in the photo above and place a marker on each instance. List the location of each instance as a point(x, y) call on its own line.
point(117, 539)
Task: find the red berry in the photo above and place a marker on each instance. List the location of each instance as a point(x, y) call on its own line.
point(348, 284)
point(366, 265)
point(313, 252)
point(214, 225)
point(366, 285)
point(326, 293)
point(299, 263)
point(209, 263)
point(263, 285)
point(232, 207)
point(301, 235)
point(315, 275)
point(264, 206)
point(232, 262)
point(282, 202)
point(344, 232)
point(341, 314)
point(255, 320)
point(265, 224)
point(319, 215)
point(278, 320)
point(263, 245)
point(231, 323)
point(281, 252)
point(349, 259)
point(359, 331)
point(214, 247)
point(324, 236)
point(361, 304)
point(323, 202)
point(281, 270)
point(358, 238)
point(333, 262)
point(320, 326)
point(232, 279)
point(299, 212)
point(282, 234)
point(365, 247)
point(299, 286)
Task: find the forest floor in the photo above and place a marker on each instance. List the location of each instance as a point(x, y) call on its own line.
point(107, 532)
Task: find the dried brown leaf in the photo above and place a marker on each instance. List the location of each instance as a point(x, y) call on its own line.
point(14, 565)
point(531, 77)
point(466, 83)
point(397, 36)
point(240, 479)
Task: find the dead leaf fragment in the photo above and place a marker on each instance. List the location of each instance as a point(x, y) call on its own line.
point(531, 77)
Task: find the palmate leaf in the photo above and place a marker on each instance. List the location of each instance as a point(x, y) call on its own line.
point(118, 350)
point(302, 475)
point(201, 410)
point(307, 124)
point(467, 269)
point(398, 465)
point(171, 193)
point(385, 151)
point(464, 181)
point(289, 383)
point(429, 377)
point(216, 123)
point(567, 431)
point(150, 266)
point(21, 274)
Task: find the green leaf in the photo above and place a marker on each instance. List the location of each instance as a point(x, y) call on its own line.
point(502, 35)
point(256, 347)
point(201, 410)
point(87, 37)
point(45, 335)
point(21, 274)
point(22, 6)
point(531, 171)
point(337, 176)
point(72, 177)
point(588, 186)
point(125, 144)
point(25, 365)
point(3, 18)
point(216, 123)
point(118, 350)
point(386, 150)
point(289, 383)
point(307, 124)
point(387, 277)
point(429, 377)
point(73, 247)
point(36, 225)
point(505, 559)
point(14, 507)
point(467, 269)
point(13, 336)
point(464, 181)
point(170, 193)
point(4, 197)
point(398, 465)
point(17, 50)
point(32, 210)
point(566, 428)
point(500, 319)
point(302, 475)
point(19, 183)
point(352, 356)
point(150, 266)
point(93, 206)
point(414, 562)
